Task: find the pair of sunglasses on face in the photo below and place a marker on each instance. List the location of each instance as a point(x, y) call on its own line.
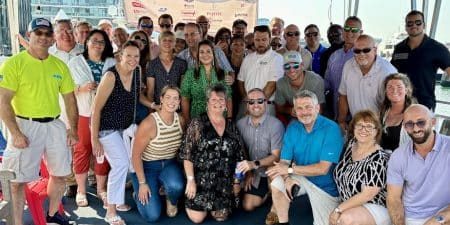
point(288, 66)
point(364, 50)
point(258, 101)
point(292, 34)
point(149, 26)
point(45, 33)
point(165, 25)
point(139, 38)
point(412, 22)
point(410, 124)
point(352, 29)
point(312, 34)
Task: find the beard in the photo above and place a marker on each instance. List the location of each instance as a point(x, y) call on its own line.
point(420, 140)
point(261, 50)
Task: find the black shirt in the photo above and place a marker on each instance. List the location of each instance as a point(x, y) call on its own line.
point(421, 65)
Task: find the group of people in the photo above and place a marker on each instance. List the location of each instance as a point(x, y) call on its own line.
point(239, 117)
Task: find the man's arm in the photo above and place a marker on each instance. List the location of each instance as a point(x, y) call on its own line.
point(316, 169)
point(395, 204)
point(241, 88)
point(70, 103)
point(270, 88)
point(9, 118)
point(343, 111)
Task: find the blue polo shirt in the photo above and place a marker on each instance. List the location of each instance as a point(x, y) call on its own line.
point(323, 143)
point(316, 58)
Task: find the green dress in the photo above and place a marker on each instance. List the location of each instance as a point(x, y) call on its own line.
point(195, 89)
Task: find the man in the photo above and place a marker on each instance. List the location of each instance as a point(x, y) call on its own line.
point(29, 87)
point(192, 32)
point(418, 173)
point(120, 36)
point(292, 37)
point(145, 24)
point(262, 135)
point(107, 26)
point(82, 30)
point(165, 22)
point(333, 74)
point(420, 56)
point(203, 21)
point(362, 81)
point(260, 69)
point(311, 148)
point(336, 40)
point(239, 28)
point(296, 79)
point(312, 36)
point(276, 27)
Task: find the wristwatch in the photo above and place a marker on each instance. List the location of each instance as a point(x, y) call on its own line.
point(257, 164)
point(440, 219)
point(290, 170)
point(337, 210)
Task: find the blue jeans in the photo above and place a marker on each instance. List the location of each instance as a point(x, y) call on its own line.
point(161, 172)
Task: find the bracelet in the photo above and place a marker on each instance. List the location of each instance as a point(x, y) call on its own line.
point(142, 182)
point(190, 178)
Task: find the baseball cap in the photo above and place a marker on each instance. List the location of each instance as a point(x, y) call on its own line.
point(40, 23)
point(104, 21)
point(179, 34)
point(292, 57)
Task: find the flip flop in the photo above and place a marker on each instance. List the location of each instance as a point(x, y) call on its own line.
point(81, 200)
point(115, 220)
point(123, 208)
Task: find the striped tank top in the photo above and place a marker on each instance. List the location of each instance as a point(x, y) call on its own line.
point(167, 141)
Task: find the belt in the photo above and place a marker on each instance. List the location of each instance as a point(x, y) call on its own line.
point(40, 120)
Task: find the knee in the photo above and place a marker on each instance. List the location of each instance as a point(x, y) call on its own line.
point(174, 187)
point(248, 206)
point(150, 212)
point(196, 219)
point(347, 219)
point(152, 217)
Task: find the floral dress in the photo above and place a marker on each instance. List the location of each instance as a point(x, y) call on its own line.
point(214, 160)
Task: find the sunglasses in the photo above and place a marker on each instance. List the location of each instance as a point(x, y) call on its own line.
point(40, 33)
point(364, 50)
point(139, 38)
point(411, 23)
point(288, 66)
point(410, 124)
point(275, 45)
point(292, 34)
point(312, 34)
point(366, 127)
point(259, 101)
point(99, 43)
point(146, 25)
point(165, 25)
point(352, 29)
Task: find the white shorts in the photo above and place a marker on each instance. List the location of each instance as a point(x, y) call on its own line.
point(45, 139)
point(379, 213)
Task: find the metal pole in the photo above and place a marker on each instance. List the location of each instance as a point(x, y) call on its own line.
point(355, 10)
point(13, 22)
point(437, 9)
point(425, 10)
point(413, 5)
point(350, 2)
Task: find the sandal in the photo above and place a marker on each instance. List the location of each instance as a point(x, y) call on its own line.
point(123, 208)
point(220, 215)
point(104, 197)
point(81, 200)
point(271, 218)
point(171, 210)
point(115, 220)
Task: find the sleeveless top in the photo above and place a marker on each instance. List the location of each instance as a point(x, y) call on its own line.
point(118, 112)
point(167, 141)
point(390, 137)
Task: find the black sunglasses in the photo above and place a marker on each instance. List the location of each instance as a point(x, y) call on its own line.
point(45, 33)
point(275, 44)
point(292, 34)
point(146, 25)
point(259, 101)
point(140, 39)
point(411, 23)
point(364, 50)
point(410, 124)
point(165, 25)
point(312, 34)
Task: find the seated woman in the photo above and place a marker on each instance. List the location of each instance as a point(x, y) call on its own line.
point(156, 145)
point(197, 80)
point(361, 175)
point(398, 96)
point(211, 149)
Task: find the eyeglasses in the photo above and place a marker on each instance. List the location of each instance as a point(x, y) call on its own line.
point(411, 23)
point(364, 50)
point(165, 25)
point(40, 33)
point(410, 124)
point(275, 45)
point(352, 29)
point(149, 26)
point(259, 101)
point(193, 34)
point(292, 34)
point(288, 66)
point(139, 38)
point(366, 127)
point(312, 34)
point(100, 43)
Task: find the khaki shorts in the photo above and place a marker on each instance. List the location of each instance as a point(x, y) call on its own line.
point(45, 139)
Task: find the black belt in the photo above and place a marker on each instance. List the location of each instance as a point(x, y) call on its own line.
point(40, 120)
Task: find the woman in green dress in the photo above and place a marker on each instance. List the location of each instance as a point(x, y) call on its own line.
point(197, 80)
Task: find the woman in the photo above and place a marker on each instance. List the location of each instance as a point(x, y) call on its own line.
point(165, 70)
point(236, 57)
point(398, 97)
point(156, 145)
point(180, 42)
point(222, 39)
point(87, 70)
point(113, 111)
point(361, 175)
point(197, 80)
point(210, 150)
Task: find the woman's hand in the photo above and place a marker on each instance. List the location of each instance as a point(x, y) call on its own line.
point(90, 86)
point(97, 147)
point(144, 193)
point(334, 218)
point(248, 181)
point(191, 189)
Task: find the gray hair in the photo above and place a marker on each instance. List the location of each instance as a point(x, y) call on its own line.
point(306, 94)
point(218, 88)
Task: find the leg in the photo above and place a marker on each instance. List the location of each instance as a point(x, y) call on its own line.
point(280, 201)
point(82, 154)
point(251, 202)
point(18, 200)
point(172, 179)
point(55, 191)
point(256, 196)
point(196, 216)
point(357, 216)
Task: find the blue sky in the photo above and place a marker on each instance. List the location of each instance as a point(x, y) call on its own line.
point(381, 18)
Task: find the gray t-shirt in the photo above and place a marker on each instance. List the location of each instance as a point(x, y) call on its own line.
point(285, 92)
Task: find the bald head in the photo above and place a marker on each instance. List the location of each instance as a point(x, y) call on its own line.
point(418, 109)
point(419, 122)
point(367, 38)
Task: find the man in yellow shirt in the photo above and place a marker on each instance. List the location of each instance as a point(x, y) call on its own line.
point(30, 83)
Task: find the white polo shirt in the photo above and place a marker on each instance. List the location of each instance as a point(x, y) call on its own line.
point(258, 69)
point(365, 92)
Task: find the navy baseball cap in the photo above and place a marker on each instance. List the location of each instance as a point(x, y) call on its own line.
point(40, 23)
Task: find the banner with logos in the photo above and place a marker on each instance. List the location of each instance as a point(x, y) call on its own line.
point(221, 13)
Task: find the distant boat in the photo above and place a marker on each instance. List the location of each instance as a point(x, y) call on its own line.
point(386, 47)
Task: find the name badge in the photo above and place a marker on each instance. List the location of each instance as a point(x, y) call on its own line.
point(400, 56)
